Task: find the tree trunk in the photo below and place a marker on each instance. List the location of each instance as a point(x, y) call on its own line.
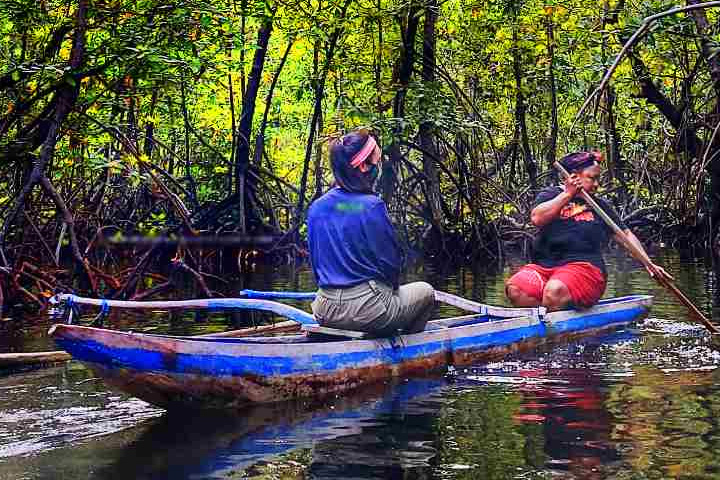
point(520, 122)
point(233, 122)
point(688, 140)
point(186, 122)
point(709, 52)
point(616, 164)
point(260, 138)
point(551, 143)
point(426, 134)
point(242, 154)
point(378, 59)
point(64, 101)
point(173, 137)
point(148, 144)
point(70, 223)
point(317, 167)
point(404, 68)
point(317, 110)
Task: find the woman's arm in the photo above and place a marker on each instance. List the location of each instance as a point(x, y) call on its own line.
point(548, 211)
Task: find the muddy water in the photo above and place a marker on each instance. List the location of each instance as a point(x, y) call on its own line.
point(640, 403)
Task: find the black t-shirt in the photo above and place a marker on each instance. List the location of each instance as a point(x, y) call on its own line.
point(578, 234)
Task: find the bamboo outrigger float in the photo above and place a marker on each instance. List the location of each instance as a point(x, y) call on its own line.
point(222, 372)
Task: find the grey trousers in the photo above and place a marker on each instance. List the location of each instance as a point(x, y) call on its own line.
point(375, 307)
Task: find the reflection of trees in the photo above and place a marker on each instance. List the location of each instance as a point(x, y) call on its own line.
point(618, 277)
point(669, 423)
point(478, 438)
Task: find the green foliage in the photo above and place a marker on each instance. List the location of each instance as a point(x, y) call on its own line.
point(177, 68)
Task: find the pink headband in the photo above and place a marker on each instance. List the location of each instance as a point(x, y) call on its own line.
point(359, 159)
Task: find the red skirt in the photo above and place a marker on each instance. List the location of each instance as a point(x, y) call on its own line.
point(584, 280)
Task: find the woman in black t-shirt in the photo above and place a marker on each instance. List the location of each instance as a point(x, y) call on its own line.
point(568, 267)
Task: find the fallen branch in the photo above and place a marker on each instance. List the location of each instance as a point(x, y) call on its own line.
point(151, 291)
point(41, 237)
point(29, 295)
point(70, 222)
point(198, 278)
point(10, 360)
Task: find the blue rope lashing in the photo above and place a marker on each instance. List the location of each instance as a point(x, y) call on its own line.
point(70, 309)
point(68, 314)
point(99, 320)
point(104, 307)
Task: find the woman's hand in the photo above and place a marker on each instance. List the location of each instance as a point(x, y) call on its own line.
point(573, 184)
point(658, 272)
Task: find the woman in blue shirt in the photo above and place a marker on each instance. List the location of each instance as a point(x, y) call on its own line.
point(354, 252)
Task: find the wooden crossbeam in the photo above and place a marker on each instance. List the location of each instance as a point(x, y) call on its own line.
point(335, 332)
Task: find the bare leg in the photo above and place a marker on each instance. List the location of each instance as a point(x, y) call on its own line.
point(519, 298)
point(556, 296)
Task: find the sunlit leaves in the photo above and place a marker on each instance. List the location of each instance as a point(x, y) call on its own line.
point(143, 54)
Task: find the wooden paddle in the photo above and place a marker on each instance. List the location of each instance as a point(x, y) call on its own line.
point(642, 256)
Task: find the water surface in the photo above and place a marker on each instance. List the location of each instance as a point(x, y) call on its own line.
point(640, 403)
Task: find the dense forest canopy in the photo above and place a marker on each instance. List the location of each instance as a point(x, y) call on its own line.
point(147, 118)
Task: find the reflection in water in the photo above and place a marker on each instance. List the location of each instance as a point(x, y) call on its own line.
point(478, 436)
point(640, 403)
point(667, 424)
point(206, 446)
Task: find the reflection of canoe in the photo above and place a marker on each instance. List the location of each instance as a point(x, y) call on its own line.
point(226, 372)
point(213, 444)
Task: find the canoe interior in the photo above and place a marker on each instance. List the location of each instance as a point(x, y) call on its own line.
point(461, 321)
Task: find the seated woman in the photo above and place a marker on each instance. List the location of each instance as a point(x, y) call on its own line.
point(354, 253)
point(568, 267)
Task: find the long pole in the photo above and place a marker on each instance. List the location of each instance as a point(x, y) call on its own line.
point(642, 256)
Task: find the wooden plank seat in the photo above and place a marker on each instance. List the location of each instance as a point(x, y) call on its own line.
point(455, 321)
point(317, 330)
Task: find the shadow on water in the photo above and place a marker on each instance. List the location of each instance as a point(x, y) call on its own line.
point(640, 403)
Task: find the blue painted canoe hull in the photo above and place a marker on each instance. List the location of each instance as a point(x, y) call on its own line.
point(230, 372)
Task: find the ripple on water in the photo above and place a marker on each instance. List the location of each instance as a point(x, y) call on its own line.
point(62, 406)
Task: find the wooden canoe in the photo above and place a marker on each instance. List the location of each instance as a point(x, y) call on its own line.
point(206, 372)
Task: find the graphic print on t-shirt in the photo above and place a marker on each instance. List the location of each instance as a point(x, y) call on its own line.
point(578, 212)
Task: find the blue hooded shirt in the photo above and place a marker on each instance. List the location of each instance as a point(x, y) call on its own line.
point(351, 240)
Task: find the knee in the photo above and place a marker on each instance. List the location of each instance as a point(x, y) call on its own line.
point(556, 295)
point(519, 297)
point(426, 292)
point(513, 293)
